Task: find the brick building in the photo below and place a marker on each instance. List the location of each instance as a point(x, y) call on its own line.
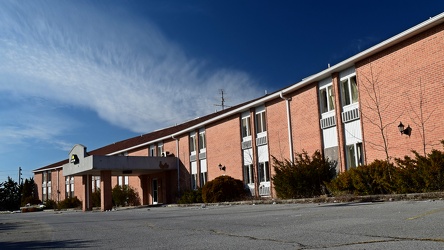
point(350, 112)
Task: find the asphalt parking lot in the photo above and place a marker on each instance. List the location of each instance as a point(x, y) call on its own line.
point(380, 225)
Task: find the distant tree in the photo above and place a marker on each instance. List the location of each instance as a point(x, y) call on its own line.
point(9, 195)
point(28, 191)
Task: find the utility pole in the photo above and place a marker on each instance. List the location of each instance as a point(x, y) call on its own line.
point(20, 175)
point(20, 187)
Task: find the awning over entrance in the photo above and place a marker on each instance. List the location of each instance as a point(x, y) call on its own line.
point(80, 163)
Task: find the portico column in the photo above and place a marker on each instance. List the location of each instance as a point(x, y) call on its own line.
point(106, 190)
point(144, 187)
point(87, 193)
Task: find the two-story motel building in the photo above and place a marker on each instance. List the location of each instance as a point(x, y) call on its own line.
point(339, 111)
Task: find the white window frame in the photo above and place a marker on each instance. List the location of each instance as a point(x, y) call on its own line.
point(246, 126)
point(328, 100)
point(202, 141)
point(265, 173)
point(192, 144)
point(260, 122)
point(356, 159)
point(159, 148)
point(248, 174)
point(152, 150)
point(347, 91)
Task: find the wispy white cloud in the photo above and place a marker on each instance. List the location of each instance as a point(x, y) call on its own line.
point(94, 58)
point(31, 121)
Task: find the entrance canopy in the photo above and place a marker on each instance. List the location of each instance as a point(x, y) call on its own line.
point(80, 163)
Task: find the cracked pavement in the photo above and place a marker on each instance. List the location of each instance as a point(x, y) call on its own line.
point(389, 225)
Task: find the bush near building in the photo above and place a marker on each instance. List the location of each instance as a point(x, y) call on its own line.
point(191, 196)
point(125, 196)
point(376, 178)
point(72, 202)
point(410, 175)
point(223, 188)
point(305, 177)
point(96, 198)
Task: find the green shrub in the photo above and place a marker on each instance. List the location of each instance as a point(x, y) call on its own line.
point(31, 200)
point(50, 204)
point(72, 202)
point(191, 196)
point(306, 177)
point(421, 174)
point(223, 188)
point(96, 198)
point(377, 178)
point(125, 196)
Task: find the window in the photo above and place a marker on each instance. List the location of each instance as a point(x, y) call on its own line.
point(123, 180)
point(202, 142)
point(194, 175)
point(349, 91)
point(260, 122)
point(69, 186)
point(152, 150)
point(354, 155)
point(246, 126)
point(194, 181)
point(159, 149)
point(248, 174)
point(192, 143)
point(71, 190)
point(327, 99)
point(203, 172)
point(46, 185)
point(44, 195)
point(203, 178)
point(263, 172)
point(95, 183)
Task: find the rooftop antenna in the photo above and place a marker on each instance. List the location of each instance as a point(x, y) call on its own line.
point(222, 102)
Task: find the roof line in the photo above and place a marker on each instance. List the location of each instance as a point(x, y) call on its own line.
point(431, 22)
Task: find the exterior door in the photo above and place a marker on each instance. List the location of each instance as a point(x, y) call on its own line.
point(155, 191)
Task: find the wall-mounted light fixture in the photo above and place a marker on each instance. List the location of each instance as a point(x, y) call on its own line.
point(221, 167)
point(406, 131)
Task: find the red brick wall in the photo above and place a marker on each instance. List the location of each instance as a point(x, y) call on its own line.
point(306, 132)
point(224, 147)
point(398, 72)
point(139, 152)
point(277, 129)
point(78, 188)
point(38, 177)
point(62, 186)
point(185, 166)
point(57, 185)
point(305, 120)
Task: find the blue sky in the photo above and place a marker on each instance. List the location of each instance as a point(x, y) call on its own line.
point(97, 72)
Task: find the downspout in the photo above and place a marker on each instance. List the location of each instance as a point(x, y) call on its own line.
point(177, 164)
point(58, 185)
point(290, 137)
point(87, 192)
